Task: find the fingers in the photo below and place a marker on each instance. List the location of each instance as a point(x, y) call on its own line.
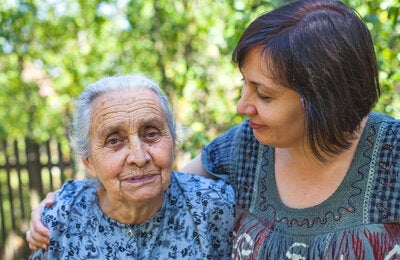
point(33, 245)
point(37, 235)
point(49, 200)
point(35, 241)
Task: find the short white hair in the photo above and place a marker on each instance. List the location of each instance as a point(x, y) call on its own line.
point(83, 106)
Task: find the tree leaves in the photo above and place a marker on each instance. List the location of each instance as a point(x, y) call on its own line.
point(50, 50)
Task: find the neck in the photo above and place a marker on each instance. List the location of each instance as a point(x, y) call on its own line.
point(304, 181)
point(302, 157)
point(129, 212)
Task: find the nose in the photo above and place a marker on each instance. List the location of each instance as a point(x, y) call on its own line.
point(245, 105)
point(138, 154)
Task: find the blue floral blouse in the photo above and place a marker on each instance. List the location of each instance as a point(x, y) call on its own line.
point(361, 220)
point(195, 222)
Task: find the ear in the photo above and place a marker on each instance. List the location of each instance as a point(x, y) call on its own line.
point(89, 167)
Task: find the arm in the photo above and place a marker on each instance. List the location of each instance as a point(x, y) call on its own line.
point(38, 235)
point(195, 167)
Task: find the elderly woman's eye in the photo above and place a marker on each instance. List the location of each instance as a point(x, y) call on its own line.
point(114, 140)
point(152, 135)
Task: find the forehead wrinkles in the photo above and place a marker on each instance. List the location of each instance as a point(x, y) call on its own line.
point(109, 109)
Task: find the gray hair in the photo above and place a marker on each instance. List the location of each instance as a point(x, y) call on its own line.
point(83, 110)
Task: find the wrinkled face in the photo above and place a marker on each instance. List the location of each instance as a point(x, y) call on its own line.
point(275, 112)
point(131, 148)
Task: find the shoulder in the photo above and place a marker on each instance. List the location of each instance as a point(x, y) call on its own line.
point(233, 140)
point(385, 130)
point(385, 183)
point(220, 156)
point(240, 131)
point(198, 214)
point(228, 155)
point(388, 125)
point(73, 189)
point(75, 194)
point(383, 136)
point(194, 186)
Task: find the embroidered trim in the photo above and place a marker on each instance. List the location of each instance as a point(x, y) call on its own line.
point(371, 172)
point(329, 215)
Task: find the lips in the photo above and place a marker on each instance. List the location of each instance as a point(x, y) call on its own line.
point(255, 126)
point(141, 178)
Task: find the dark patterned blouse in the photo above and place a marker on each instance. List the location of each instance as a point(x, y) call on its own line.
point(361, 220)
point(195, 222)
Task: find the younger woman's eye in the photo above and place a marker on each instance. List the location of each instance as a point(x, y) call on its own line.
point(263, 97)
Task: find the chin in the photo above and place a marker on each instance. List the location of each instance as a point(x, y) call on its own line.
point(261, 138)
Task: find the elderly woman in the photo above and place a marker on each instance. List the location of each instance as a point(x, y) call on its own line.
point(135, 206)
point(316, 172)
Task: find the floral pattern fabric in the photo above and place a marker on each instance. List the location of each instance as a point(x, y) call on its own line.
point(195, 222)
point(361, 220)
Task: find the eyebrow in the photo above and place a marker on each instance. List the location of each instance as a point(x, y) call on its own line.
point(105, 131)
point(264, 86)
point(153, 120)
point(275, 88)
point(258, 84)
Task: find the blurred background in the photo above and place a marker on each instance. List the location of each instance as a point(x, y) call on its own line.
point(50, 50)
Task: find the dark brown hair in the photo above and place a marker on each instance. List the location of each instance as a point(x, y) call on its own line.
point(322, 50)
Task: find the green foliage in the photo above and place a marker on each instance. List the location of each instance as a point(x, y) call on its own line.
point(50, 50)
point(383, 19)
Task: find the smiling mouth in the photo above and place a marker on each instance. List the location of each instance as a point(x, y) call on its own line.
point(141, 178)
point(255, 126)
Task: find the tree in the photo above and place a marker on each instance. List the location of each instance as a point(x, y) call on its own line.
point(50, 50)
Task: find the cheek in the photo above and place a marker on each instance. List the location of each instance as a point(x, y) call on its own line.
point(289, 113)
point(297, 113)
point(272, 116)
point(167, 160)
point(163, 158)
point(109, 163)
point(162, 155)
